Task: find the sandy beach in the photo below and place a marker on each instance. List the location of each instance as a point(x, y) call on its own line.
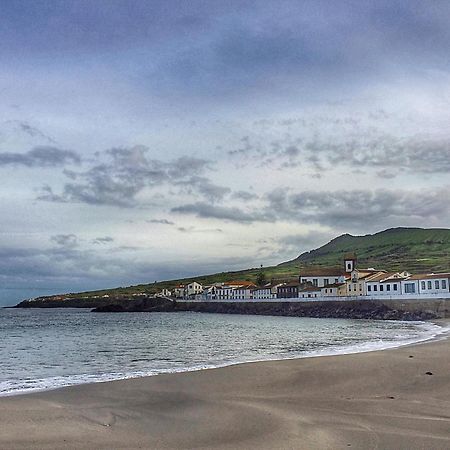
point(377, 400)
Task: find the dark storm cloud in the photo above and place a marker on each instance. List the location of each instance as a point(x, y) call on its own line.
point(41, 156)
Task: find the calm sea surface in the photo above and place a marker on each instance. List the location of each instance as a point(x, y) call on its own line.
point(44, 349)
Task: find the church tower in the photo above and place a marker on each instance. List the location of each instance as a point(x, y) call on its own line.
point(349, 263)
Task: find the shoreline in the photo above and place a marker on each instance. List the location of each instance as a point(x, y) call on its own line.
point(365, 347)
point(390, 399)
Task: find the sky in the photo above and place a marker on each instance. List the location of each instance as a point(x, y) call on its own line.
point(149, 140)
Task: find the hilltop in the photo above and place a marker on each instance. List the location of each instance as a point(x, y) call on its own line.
point(411, 249)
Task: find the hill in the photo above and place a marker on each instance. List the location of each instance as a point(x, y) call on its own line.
point(412, 249)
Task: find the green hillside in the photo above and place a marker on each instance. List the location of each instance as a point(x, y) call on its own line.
point(412, 249)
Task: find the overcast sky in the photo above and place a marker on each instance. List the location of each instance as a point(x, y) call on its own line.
point(142, 141)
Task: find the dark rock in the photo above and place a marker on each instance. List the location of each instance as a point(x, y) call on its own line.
point(428, 373)
point(110, 308)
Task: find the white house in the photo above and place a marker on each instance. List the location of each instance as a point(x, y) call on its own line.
point(321, 277)
point(432, 283)
point(193, 289)
point(265, 292)
point(310, 292)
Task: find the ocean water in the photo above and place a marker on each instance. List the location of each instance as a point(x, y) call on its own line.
point(50, 348)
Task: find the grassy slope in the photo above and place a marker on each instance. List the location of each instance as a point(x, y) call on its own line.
point(411, 249)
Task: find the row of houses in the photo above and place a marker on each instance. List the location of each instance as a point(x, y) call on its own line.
point(348, 281)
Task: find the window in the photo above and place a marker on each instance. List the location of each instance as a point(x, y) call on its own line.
point(388, 287)
point(410, 288)
point(422, 285)
point(436, 284)
point(444, 284)
point(369, 288)
point(375, 287)
point(336, 280)
point(381, 287)
point(326, 281)
point(395, 287)
point(429, 284)
point(315, 282)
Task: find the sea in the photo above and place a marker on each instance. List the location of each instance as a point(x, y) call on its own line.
point(44, 349)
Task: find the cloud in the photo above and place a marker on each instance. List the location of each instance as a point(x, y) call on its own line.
point(120, 174)
point(234, 214)
point(41, 156)
point(199, 230)
point(354, 210)
point(65, 240)
point(353, 146)
point(161, 221)
point(205, 188)
point(244, 195)
point(103, 240)
point(362, 209)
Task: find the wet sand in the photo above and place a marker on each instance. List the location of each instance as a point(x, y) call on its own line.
point(376, 400)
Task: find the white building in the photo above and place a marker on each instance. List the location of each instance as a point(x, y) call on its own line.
point(310, 292)
point(265, 292)
point(192, 289)
point(386, 284)
point(433, 283)
point(321, 277)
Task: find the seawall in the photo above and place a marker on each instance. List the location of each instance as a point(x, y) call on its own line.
point(357, 309)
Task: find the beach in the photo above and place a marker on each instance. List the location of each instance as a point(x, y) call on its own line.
point(390, 399)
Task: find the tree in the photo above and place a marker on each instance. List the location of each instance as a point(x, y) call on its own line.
point(261, 278)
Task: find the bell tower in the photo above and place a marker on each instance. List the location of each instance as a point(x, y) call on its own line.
point(349, 262)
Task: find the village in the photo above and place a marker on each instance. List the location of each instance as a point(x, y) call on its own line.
point(321, 284)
